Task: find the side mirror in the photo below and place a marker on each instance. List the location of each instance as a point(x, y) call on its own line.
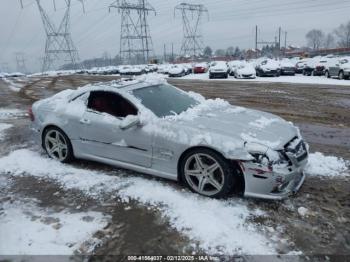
point(129, 122)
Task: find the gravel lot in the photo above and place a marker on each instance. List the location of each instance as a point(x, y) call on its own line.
point(314, 222)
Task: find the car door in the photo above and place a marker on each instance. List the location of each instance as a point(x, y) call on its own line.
point(334, 67)
point(103, 136)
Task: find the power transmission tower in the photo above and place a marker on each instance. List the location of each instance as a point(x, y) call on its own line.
point(135, 40)
point(21, 63)
point(192, 44)
point(59, 45)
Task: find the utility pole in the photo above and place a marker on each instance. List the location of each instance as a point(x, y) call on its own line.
point(21, 62)
point(59, 47)
point(256, 41)
point(172, 52)
point(191, 14)
point(285, 40)
point(164, 56)
point(135, 38)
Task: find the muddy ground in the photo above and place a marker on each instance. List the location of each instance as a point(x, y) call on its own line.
point(322, 112)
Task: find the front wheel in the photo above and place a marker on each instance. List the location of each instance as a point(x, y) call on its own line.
point(57, 145)
point(207, 173)
point(341, 75)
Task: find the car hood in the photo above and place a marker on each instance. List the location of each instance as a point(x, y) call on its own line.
point(246, 71)
point(243, 125)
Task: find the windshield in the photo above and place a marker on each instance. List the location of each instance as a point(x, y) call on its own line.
point(164, 100)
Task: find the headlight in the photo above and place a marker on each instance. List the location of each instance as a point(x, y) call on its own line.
point(264, 155)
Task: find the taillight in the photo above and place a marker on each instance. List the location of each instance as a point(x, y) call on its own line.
point(30, 113)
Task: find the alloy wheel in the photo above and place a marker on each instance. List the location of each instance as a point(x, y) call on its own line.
point(56, 145)
point(204, 174)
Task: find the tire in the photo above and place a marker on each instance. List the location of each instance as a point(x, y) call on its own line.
point(327, 74)
point(226, 76)
point(55, 138)
point(341, 75)
point(202, 181)
point(210, 76)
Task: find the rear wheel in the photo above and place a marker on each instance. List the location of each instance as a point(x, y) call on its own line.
point(207, 173)
point(341, 75)
point(57, 145)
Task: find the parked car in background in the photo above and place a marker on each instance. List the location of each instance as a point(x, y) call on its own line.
point(320, 67)
point(218, 69)
point(163, 69)
point(315, 66)
point(338, 67)
point(300, 65)
point(287, 67)
point(200, 68)
point(233, 65)
point(177, 71)
point(188, 68)
point(268, 67)
point(245, 71)
point(125, 70)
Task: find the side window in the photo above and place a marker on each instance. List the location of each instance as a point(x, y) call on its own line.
point(111, 103)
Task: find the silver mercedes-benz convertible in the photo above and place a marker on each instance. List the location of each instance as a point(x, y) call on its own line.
point(152, 127)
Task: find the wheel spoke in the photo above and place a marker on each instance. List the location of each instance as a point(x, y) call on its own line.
point(52, 140)
point(202, 183)
point(199, 161)
point(214, 183)
point(195, 172)
point(60, 154)
point(212, 168)
point(53, 149)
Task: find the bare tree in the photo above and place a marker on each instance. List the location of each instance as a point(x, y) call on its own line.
point(343, 35)
point(329, 41)
point(315, 38)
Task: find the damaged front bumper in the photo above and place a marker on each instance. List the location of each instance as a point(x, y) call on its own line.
point(275, 182)
point(272, 185)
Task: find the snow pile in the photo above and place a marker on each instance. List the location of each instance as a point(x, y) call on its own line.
point(26, 229)
point(218, 226)
point(328, 166)
point(12, 85)
point(3, 127)
point(7, 113)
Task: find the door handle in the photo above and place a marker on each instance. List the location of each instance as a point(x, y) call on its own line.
point(85, 121)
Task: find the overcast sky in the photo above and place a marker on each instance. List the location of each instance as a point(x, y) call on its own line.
point(231, 23)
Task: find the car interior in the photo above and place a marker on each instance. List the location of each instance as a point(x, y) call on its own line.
point(111, 103)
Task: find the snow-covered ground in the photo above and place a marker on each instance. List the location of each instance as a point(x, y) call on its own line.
point(26, 229)
point(297, 79)
point(201, 219)
point(9, 113)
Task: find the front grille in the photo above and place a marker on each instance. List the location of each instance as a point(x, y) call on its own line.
point(247, 75)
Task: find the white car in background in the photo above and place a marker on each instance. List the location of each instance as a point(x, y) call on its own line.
point(218, 69)
point(268, 67)
point(125, 70)
point(233, 65)
point(245, 71)
point(177, 71)
point(287, 67)
point(163, 69)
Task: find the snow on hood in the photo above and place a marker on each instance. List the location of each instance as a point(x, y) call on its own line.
point(216, 123)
